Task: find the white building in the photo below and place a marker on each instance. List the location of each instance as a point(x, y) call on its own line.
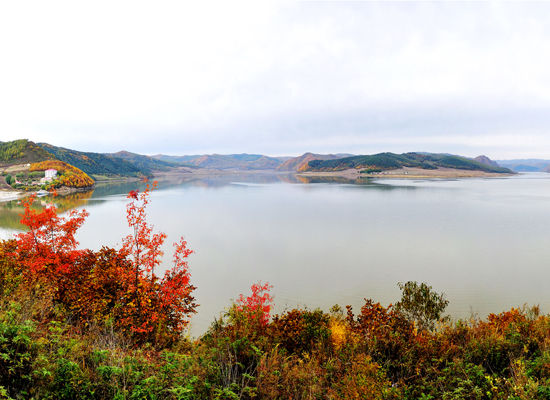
point(50, 174)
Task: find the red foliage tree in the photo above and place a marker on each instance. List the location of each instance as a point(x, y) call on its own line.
point(256, 307)
point(109, 285)
point(173, 302)
point(142, 246)
point(49, 247)
point(176, 289)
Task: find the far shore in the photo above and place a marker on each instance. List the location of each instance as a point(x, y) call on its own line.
point(409, 173)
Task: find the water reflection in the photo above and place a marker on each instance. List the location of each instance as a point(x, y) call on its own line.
point(10, 211)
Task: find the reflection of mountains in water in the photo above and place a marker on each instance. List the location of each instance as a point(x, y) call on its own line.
point(10, 212)
point(105, 189)
point(222, 180)
point(361, 182)
point(10, 215)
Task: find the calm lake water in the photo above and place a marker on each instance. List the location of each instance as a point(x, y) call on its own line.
point(484, 242)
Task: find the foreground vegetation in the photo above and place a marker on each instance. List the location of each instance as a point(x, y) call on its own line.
point(82, 324)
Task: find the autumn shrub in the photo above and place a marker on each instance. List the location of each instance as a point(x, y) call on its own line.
point(290, 377)
point(503, 338)
point(386, 336)
point(362, 379)
point(300, 331)
point(236, 342)
point(10, 270)
point(247, 318)
point(281, 376)
point(97, 289)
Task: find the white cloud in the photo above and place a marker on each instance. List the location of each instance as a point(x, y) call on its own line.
point(276, 77)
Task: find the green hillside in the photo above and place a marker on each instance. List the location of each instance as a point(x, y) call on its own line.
point(388, 161)
point(96, 163)
point(144, 163)
point(22, 151)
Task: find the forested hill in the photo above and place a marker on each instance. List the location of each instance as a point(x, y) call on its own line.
point(97, 163)
point(388, 161)
point(300, 163)
point(144, 163)
point(22, 151)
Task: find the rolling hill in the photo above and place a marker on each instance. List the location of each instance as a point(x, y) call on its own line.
point(22, 151)
point(300, 163)
point(388, 161)
point(97, 163)
point(225, 161)
point(144, 163)
point(486, 160)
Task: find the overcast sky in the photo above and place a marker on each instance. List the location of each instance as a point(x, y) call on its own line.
point(277, 78)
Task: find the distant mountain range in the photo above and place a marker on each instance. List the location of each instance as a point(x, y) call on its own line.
point(124, 163)
point(229, 161)
point(526, 165)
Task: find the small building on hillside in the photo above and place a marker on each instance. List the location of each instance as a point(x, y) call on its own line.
point(49, 175)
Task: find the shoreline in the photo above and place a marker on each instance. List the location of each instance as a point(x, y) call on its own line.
point(9, 195)
point(408, 173)
point(352, 174)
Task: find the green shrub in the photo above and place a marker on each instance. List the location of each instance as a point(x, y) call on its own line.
point(420, 304)
point(17, 354)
